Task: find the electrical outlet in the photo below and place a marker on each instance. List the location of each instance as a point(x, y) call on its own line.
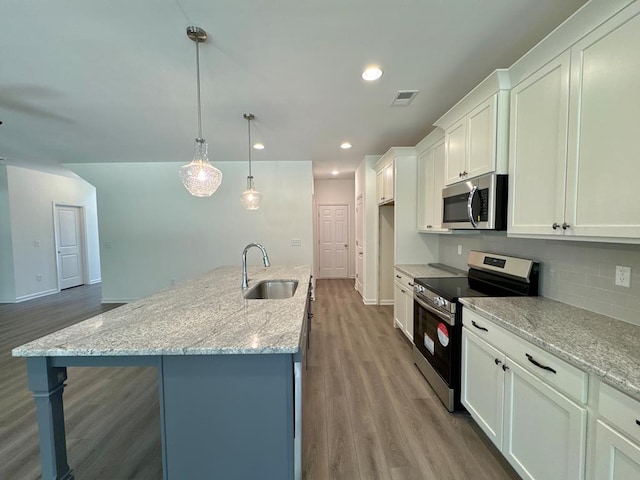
point(296, 242)
point(623, 276)
point(459, 249)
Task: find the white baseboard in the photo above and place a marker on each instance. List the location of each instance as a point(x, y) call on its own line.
point(369, 301)
point(93, 282)
point(386, 302)
point(33, 296)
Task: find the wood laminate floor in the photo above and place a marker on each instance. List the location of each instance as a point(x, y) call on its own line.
point(368, 412)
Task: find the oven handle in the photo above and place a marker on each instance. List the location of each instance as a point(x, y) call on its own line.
point(472, 194)
point(443, 316)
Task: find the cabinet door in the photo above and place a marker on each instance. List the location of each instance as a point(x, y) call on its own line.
point(604, 151)
point(545, 432)
point(438, 185)
point(482, 391)
point(399, 305)
point(481, 138)
point(408, 314)
point(424, 206)
point(538, 149)
point(388, 182)
point(617, 458)
point(455, 139)
point(380, 186)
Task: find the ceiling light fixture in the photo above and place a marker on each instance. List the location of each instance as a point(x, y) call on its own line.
point(199, 177)
point(371, 74)
point(345, 146)
point(258, 146)
point(334, 172)
point(250, 198)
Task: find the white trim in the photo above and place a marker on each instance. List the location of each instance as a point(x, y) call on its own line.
point(118, 300)
point(369, 301)
point(95, 280)
point(33, 296)
point(386, 302)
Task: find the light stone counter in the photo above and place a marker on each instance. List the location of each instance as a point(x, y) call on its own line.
point(428, 271)
point(207, 315)
point(597, 344)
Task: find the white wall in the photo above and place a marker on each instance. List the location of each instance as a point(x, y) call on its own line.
point(366, 185)
point(7, 285)
point(31, 197)
point(152, 230)
point(577, 273)
point(338, 192)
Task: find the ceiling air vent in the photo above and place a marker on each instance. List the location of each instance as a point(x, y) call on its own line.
point(403, 98)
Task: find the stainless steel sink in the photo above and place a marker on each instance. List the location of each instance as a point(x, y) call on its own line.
point(272, 289)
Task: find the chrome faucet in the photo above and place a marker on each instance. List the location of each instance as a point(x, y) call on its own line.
point(265, 259)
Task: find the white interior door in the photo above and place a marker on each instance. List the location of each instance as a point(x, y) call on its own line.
point(359, 247)
point(69, 246)
point(333, 223)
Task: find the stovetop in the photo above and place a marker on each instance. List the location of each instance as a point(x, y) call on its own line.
point(450, 288)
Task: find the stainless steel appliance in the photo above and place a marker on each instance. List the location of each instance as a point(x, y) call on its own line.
point(437, 314)
point(479, 203)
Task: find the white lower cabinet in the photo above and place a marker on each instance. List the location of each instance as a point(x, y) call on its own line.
point(617, 436)
point(544, 431)
point(403, 303)
point(538, 427)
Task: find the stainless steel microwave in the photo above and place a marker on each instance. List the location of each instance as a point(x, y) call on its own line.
point(479, 203)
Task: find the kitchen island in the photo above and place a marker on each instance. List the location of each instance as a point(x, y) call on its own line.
point(229, 374)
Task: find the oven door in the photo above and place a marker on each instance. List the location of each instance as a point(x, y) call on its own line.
point(434, 335)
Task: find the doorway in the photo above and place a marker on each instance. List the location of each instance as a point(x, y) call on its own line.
point(333, 241)
point(69, 238)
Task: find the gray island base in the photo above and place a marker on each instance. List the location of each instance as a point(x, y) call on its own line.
point(229, 374)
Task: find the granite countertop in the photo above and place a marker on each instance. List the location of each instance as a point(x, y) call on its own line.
point(428, 271)
point(207, 315)
point(597, 344)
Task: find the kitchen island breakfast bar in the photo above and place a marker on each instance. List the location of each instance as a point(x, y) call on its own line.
point(229, 374)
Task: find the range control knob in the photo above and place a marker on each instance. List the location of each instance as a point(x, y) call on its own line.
point(439, 301)
point(418, 289)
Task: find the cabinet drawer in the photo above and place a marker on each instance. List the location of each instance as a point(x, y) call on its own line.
point(554, 371)
point(620, 410)
point(404, 280)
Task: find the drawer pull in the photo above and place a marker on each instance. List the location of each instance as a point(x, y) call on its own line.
point(411, 284)
point(537, 364)
point(478, 326)
point(398, 276)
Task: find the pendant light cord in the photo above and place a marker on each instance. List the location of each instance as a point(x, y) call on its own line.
point(249, 129)
point(198, 83)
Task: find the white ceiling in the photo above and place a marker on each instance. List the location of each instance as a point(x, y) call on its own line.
point(115, 81)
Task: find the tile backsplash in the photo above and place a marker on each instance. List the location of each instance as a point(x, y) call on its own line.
point(577, 273)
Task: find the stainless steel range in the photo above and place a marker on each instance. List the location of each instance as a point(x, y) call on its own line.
point(437, 317)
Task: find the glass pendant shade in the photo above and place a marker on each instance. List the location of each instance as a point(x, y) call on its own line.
point(250, 198)
point(199, 177)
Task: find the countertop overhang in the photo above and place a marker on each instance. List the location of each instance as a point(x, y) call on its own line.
point(207, 315)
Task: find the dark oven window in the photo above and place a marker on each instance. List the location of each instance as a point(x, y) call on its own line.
point(436, 341)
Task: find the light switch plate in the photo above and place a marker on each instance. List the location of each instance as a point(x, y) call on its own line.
point(623, 276)
point(459, 249)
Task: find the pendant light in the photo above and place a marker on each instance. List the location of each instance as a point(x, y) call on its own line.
point(250, 198)
point(199, 177)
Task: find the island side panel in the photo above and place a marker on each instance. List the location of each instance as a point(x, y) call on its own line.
point(228, 416)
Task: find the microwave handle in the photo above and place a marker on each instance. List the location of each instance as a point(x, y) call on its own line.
point(472, 193)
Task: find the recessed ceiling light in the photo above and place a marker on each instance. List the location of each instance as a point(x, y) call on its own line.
point(345, 146)
point(372, 73)
point(334, 172)
point(258, 146)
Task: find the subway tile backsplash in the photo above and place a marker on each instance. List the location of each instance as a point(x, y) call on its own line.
point(577, 273)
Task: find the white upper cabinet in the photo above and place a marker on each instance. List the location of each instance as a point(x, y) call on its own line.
point(431, 164)
point(574, 154)
point(476, 131)
point(385, 180)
